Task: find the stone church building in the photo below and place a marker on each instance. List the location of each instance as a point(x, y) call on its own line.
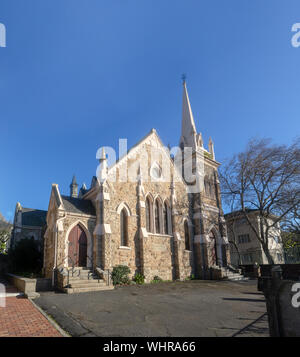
point(155, 220)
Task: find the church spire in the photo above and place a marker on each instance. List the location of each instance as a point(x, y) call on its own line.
point(74, 188)
point(188, 128)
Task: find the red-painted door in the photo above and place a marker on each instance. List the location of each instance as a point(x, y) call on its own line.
point(77, 251)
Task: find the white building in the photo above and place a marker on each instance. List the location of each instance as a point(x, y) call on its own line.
point(245, 247)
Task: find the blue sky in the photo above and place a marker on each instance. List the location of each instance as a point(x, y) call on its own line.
point(77, 75)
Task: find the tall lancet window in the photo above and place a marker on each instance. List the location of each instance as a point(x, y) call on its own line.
point(148, 215)
point(124, 228)
point(166, 218)
point(157, 218)
point(187, 236)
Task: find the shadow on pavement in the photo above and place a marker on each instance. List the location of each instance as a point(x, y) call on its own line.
point(242, 299)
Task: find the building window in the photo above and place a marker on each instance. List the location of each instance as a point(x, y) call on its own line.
point(148, 214)
point(241, 221)
point(157, 217)
point(206, 186)
point(209, 188)
point(186, 236)
point(243, 238)
point(247, 258)
point(279, 257)
point(166, 214)
point(124, 228)
point(155, 172)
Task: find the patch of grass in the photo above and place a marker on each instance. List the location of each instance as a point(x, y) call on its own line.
point(191, 277)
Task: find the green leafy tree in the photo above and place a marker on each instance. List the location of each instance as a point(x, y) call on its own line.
point(4, 238)
point(26, 256)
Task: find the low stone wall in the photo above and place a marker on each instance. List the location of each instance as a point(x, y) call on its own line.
point(283, 304)
point(43, 284)
point(30, 287)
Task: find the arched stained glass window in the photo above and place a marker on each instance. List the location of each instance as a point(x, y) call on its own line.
point(124, 227)
point(187, 236)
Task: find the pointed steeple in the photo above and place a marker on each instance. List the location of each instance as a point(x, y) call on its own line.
point(188, 129)
point(211, 148)
point(74, 188)
point(82, 190)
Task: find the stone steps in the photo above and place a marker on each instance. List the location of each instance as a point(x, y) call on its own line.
point(90, 277)
point(87, 289)
point(236, 278)
point(85, 284)
point(84, 280)
point(230, 275)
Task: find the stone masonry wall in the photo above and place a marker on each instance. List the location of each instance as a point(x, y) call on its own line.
point(158, 257)
point(156, 250)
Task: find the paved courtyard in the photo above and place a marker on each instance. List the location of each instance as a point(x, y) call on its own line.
point(192, 308)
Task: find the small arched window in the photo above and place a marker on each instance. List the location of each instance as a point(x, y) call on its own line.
point(157, 217)
point(166, 218)
point(124, 228)
point(186, 236)
point(148, 214)
point(207, 186)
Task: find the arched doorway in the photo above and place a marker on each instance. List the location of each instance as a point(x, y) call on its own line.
point(77, 247)
point(213, 249)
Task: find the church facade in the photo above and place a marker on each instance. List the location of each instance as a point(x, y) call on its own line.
point(143, 212)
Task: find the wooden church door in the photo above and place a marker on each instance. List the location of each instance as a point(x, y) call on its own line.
point(77, 250)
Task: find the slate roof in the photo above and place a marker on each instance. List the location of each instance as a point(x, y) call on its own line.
point(78, 205)
point(33, 217)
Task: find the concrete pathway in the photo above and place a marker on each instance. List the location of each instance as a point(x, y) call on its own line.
point(20, 318)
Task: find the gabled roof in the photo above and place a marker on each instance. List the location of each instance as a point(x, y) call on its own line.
point(78, 205)
point(33, 217)
point(135, 148)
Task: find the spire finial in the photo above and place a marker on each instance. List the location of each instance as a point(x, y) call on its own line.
point(183, 77)
point(74, 187)
point(103, 166)
point(211, 147)
point(103, 155)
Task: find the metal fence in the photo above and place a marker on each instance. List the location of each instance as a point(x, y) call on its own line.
point(286, 256)
point(256, 256)
point(292, 255)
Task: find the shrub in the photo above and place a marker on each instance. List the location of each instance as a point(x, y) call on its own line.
point(119, 275)
point(139, 278)
point(156, 279)
point(26, 256)
point(191, 277)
